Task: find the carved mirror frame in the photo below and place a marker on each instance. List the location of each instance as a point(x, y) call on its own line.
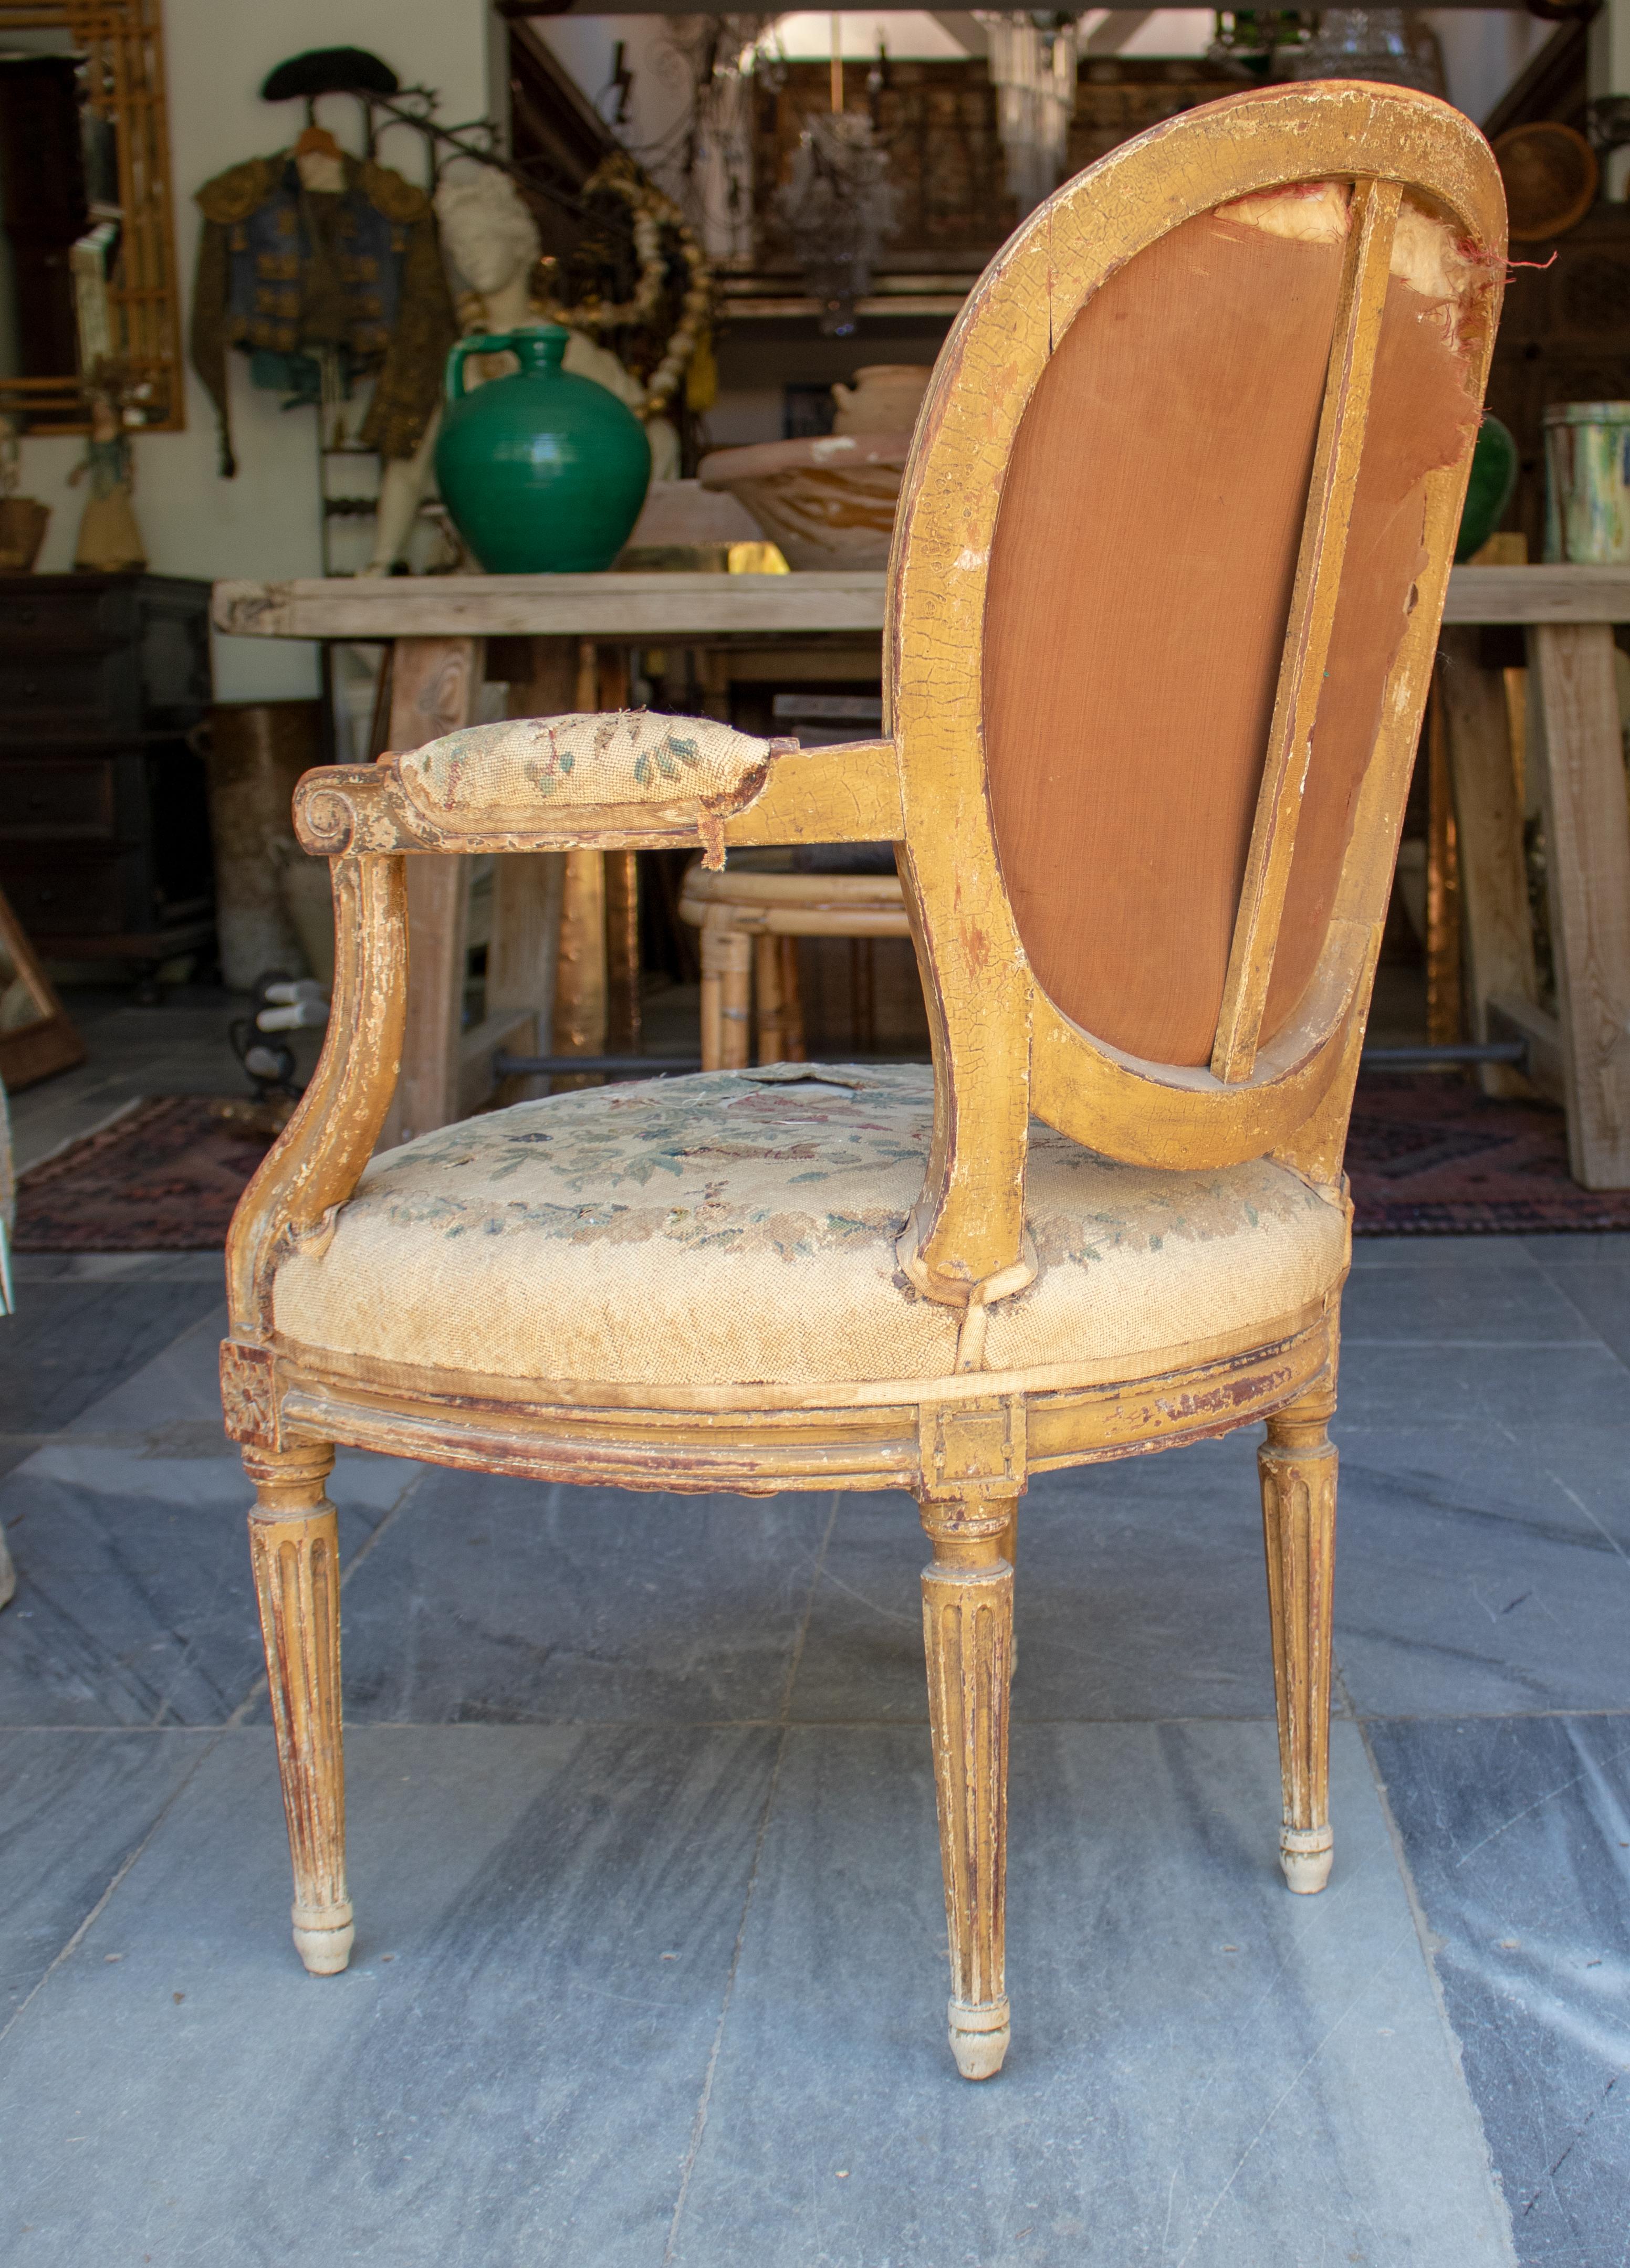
point(123, 41)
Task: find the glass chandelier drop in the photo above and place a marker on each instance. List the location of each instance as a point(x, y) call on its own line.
point(1032, 66)
point(1378, 43)
point(836, 210)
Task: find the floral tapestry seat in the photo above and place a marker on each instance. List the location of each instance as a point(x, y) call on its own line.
point(739, 1229)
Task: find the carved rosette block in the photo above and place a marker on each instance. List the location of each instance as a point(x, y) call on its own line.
point(294, 1546)
point(968, 1636)
point(1297, 1464)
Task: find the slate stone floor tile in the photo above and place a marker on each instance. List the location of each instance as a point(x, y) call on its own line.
point(1608, 1250)
point(135, 1604)
point(74, 1807)
point(1505, 1296)
point(1518, 1836)
point(181, 1384)
point(504, 1602)
point(1456, 1255)
point(508, 2074)
point(1141, 1593)
point(1600, 1292)
point(73, 1341)
point(1467, 1381)
point(1205, 2069)
point(1477, 1575)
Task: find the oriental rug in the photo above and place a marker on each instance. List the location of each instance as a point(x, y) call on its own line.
point(1428, 1155)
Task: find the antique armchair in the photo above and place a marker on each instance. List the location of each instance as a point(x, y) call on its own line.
point(1164, 594)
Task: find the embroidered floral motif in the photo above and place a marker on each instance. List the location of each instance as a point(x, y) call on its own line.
point(618, 757)
point(742, 1227)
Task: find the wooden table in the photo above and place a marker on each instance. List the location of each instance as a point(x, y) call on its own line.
point(438, 625)
point(551, 914)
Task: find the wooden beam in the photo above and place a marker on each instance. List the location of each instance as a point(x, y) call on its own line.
point(1488, 826)
point(435, 686)
point(654, 607)
point(1524, 1019)
point(1574, 740)
point(1538, 594)
point(1366, 272)
point(702, 606)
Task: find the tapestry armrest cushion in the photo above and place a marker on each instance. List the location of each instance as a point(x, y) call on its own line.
point(514, 774)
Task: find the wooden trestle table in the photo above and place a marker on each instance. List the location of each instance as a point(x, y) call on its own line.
point(581, 625)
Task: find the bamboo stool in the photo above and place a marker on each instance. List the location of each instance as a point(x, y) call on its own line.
point(750, 917)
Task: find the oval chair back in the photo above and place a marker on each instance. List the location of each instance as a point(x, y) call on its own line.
point(1163, 601)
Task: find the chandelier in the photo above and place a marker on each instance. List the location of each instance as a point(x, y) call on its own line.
point(1032, 66)
point(1379, 43)
point(835, 210)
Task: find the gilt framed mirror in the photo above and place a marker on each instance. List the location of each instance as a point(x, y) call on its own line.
point(88, 284)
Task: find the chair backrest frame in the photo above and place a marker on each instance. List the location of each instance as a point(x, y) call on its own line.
point(1002, 1048)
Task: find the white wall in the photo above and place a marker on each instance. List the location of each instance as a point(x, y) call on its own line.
point(1483, 50)
point(265, 523)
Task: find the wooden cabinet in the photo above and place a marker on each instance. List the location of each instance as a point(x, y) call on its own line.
point(104, 826)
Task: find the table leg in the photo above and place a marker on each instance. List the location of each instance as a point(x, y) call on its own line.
point(1488, 826)
point(768, 1002)
point(1442, 886)
point(1574, 739)
point(581, 978)
point(435, 687)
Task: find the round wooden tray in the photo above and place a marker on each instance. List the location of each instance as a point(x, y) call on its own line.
point(1551, 177)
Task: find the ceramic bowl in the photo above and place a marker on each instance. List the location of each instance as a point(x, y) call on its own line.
point(829, 502)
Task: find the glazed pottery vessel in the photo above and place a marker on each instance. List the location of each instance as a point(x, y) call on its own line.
point(1587, 482)
point(829, 503)
point(544, 474)
point(1488, 490)
point(885, 398)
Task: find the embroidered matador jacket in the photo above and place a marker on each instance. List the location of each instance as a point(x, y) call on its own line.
point(284, 270)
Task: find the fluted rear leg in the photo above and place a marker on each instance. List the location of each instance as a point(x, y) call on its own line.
point(294, 1545)
point(968, 1635)
point(1297, 1463)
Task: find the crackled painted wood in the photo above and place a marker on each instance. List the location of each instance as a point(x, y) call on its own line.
point(964, 1444)
point(1297, 1466)
point(295, 1551)
point(967, 1638)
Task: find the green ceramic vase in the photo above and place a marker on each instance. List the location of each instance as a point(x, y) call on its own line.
point(1488, 490)
point(544, 474)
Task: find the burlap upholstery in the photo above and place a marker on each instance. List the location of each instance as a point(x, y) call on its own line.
point(490, 773)
point(740, 1229)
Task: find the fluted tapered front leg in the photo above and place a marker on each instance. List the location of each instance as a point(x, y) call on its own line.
point(1297, 1463)
point(294, 1544)
point(967, 1634)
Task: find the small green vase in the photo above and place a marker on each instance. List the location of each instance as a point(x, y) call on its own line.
point(544, 474)
point(1488, 490)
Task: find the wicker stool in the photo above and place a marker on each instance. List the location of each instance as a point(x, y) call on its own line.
point(751, 916)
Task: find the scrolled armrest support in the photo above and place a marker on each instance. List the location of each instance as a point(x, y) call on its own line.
point(318, 1158)
point(472, 796)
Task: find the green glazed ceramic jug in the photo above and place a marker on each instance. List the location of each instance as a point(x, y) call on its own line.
point(544, 474)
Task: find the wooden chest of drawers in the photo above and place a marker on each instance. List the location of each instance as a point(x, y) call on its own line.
point(104, 826)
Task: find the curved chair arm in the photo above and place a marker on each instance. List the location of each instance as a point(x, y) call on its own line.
point(364, 817)
point(628, 781)
point(317, 1160)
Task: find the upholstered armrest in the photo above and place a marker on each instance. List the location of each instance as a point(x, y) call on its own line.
point(620, 780)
